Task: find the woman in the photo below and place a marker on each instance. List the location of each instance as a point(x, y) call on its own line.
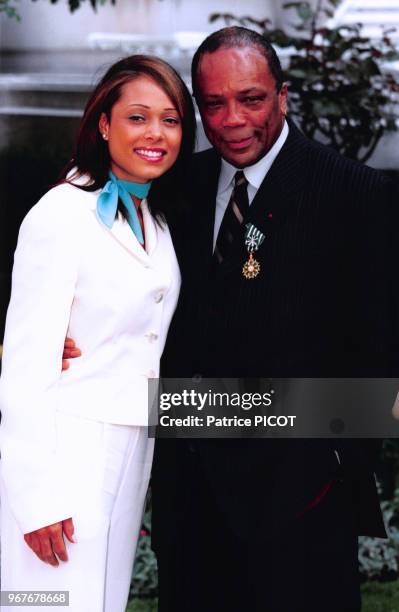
point(95, 261)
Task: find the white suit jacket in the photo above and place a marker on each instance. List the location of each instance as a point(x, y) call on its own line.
point(72, 275)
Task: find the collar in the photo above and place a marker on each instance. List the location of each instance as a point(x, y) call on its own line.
point(257, 172)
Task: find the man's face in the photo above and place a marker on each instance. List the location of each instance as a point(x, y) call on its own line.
point(241, 111)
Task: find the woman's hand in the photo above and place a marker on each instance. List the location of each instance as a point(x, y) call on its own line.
point(70, 352)
point(48, 542)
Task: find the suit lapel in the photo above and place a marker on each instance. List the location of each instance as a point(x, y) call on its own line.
point(150, 229)
point(277, 198)
point(123, 234)
point(280, 192)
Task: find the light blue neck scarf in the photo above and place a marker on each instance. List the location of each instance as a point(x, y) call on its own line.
point(107, 202)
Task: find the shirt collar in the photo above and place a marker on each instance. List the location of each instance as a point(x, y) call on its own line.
point(256, 173)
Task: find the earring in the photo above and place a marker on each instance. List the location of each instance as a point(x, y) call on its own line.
point(104, 136)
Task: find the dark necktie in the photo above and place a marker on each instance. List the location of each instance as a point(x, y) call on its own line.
point(230, 231)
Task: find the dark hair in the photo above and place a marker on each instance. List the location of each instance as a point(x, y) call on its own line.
point(236, 37)
point(91, 156)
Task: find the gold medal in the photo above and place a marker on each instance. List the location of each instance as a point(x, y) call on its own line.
point(251, 267)
point(253, 240)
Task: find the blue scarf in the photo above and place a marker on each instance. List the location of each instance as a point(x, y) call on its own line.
point(107, 202)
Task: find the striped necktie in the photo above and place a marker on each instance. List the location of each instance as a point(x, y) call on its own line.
point(230, 231)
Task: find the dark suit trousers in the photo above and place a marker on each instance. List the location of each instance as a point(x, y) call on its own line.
point(205, 567)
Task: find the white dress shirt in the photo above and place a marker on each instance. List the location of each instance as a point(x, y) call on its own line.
point(254, 174)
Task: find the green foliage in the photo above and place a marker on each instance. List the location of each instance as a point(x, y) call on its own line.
point(390, 449)
point(145, 577)
point(75, 4)
point(8, 7)
point(379, 559)
point(388, 468)
point(340, 92)
point(377, 597)
point(142, 605)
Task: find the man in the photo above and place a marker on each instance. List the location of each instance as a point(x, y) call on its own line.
point(271, 525)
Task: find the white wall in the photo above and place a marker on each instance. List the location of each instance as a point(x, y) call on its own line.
point(46, 26)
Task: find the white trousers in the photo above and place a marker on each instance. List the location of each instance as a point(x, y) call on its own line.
point(110, 468)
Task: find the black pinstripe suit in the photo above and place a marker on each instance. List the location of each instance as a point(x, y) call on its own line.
point(323, 305)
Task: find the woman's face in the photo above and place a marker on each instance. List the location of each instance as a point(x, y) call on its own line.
point(144, 132)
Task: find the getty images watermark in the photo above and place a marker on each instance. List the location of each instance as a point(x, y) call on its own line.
point(192, 399)
point(265, 407)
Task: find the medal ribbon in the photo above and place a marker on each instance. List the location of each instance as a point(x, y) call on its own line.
point(253, 237)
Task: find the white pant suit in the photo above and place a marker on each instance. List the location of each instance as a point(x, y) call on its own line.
point(74, 443)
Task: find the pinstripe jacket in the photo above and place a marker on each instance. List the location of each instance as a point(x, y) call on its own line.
point(324, 305)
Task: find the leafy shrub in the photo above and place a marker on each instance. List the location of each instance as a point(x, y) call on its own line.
point(145, 576)
point(340, 90)
point(378, 558)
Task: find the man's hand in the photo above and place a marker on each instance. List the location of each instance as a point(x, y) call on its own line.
point(70, 352)
point(48, 542)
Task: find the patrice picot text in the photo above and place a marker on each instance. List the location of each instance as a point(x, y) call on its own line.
point(208, 401)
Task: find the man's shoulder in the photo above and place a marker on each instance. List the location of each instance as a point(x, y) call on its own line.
point(318, 154)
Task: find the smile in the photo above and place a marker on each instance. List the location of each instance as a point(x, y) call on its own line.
point(151, 155)
point(239, 144)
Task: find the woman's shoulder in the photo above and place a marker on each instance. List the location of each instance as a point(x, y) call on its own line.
point(63, 204)
point(69, 196)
